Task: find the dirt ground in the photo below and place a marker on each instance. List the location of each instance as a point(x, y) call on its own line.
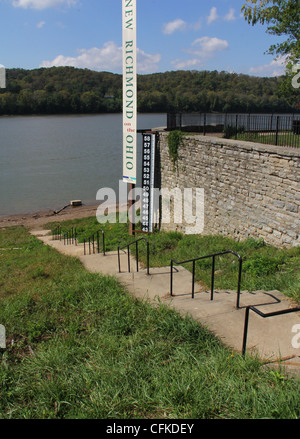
point(38, 220)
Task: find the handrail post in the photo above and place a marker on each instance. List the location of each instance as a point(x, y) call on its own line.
point(98, 245)
point(148, 257)
point(128, 256)
point(119, 260)
point(171, 279)
point(103, 242)
point(137, 256)
point(212, 278)
point(245, 330)
point(193, 280)
point(239, 284)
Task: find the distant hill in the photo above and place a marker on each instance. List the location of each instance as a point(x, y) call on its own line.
point(61, 90)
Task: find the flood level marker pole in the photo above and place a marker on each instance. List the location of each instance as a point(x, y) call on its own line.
point(129, 100)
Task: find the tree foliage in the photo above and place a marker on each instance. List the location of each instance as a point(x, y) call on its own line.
point(59, 90)
point(283, 20)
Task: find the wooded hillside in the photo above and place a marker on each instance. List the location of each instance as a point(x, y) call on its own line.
point(58, 90)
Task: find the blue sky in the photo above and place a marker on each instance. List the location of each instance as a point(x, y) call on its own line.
point(172, 35)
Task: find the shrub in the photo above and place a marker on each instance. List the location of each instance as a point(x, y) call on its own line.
point(231, 130)
point(175, 140)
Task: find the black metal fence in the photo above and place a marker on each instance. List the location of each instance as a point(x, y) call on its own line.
point(274, 129)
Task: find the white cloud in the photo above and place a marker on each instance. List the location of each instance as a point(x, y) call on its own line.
point(173, 26)
point(108, 57)
point(274, 68)
point(193, 63)
point(209, 45)
point(147, 63)
point(230, 16)
point(41, 4)
point(40, 24)
point(213, 15)
point(201, 49)
point(181, 25)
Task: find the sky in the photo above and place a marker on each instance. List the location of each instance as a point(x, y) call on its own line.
point(171, 35)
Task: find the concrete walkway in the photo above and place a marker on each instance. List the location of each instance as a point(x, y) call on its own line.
point(270, 338)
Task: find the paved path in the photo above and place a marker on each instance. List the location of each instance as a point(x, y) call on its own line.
point(270, 338)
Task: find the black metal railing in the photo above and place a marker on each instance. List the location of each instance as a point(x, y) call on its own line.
point(70, 236)
point(275, 129)
point(264, 315)
point(137, 254)
point(90, 241)
point(57, 233)
point(213, 256)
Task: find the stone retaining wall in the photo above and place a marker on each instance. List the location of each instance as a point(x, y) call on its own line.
point(250, 189)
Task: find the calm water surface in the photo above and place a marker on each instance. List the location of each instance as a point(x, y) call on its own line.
point(46, 161)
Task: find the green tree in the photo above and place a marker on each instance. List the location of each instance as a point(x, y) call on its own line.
point(39, 101)
point(25, 101)
point(89, 102)
point(283, 19)
point(8, 103)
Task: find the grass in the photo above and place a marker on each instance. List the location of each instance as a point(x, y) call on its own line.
point(79, 346)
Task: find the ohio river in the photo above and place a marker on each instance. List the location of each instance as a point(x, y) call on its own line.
point(47, 161)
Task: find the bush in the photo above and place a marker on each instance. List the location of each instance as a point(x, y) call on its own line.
point(175, 140)
point(231, 130)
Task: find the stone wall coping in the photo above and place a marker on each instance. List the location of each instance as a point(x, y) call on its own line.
point(249, 146)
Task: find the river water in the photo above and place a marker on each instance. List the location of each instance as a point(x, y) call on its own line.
point(46, 161)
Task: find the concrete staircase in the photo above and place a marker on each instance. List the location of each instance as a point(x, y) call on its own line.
point(270, 338)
